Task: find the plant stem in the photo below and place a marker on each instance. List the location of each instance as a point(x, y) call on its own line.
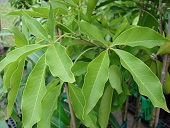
point(73, 118)
point(124, 110)
point(137, 112)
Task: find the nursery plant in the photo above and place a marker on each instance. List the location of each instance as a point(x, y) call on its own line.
point(74, 63)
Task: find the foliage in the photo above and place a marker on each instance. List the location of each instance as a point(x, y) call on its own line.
point(94, 46)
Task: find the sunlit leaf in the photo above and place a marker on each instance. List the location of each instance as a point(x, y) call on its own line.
point(49, 104)
point(148, 84)
point(79, 68)
point(35, 27)
point(18, 54)
point(78, 102)
point(145, 37)
point(105, 107)
point(94, 81)
point(33, 93)
point(15, 81)
point(61, 64)
point(165, 48)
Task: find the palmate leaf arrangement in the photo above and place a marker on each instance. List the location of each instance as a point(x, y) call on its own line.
point(81, 56)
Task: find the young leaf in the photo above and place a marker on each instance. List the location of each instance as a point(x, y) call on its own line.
point(79, 68)
point(49, 104)
point(140, 36)
point(115, 78)
point(51, 23)
point(8, 71)
point(33, 93)
point(18, 54)
point(78, 102)
point(105, 107)
point(15, 84)
point(20, 39)
point(165, 48)
point(149, 85)
point(94, 81)
point(61, 64)
point(93, 32)
point(35, 27)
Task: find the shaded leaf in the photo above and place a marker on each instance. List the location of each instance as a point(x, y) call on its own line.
point(35, 27)
point(15, 81)
point(115, 78)
point(51, 23)
point(33, 93)
point(94, 81)
point(20, 39)
point(105, 107)
point(149, 85)
point(92, 31)
point(91, 4)
point(61, 64)
point(79, 68)
point(78, 102)
point(49, 104)
point(18, 54)
point(145, 37)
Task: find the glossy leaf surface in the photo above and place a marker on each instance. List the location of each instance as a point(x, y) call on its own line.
point(149, 85)
point(94, 81)
point(61, 64)
point(33, 93)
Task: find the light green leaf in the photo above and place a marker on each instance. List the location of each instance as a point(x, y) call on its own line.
point(115, 78)
point(20, 39)
point(19, 53)
point(35, 27)
point(61, 63)
point(28, 12)
point(79, 68)
point(51, 23)
point(25, 29)
point(41, 10)
point(49, 104)
point(78, 102)
point(15, 81)
point(3, 124)
point(93, 32)
point(94, 81)
point(165, 48)
point(140, 36)
point(33, 93)
point(91, 4)
point(149, 85)
point(105, 107)
point(8, 71)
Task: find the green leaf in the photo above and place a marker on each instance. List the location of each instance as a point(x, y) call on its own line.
point(91, 4)
point(51, 23)
point(115, 78)
point(61, 63)
point(166, 88)
point(105, 107)
point(15, 81)
point(94, 81)
point(165, 48)
point(8, 71)
point(3, 123)
point(79, 68)
point(33, 93)
point(140, 36)
point(20, 39)
point(93, 32)
point(35, 27)
point(19, 53)
point(49, 104)
point(28, 12)
point(149, 85)
point(78, 102)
